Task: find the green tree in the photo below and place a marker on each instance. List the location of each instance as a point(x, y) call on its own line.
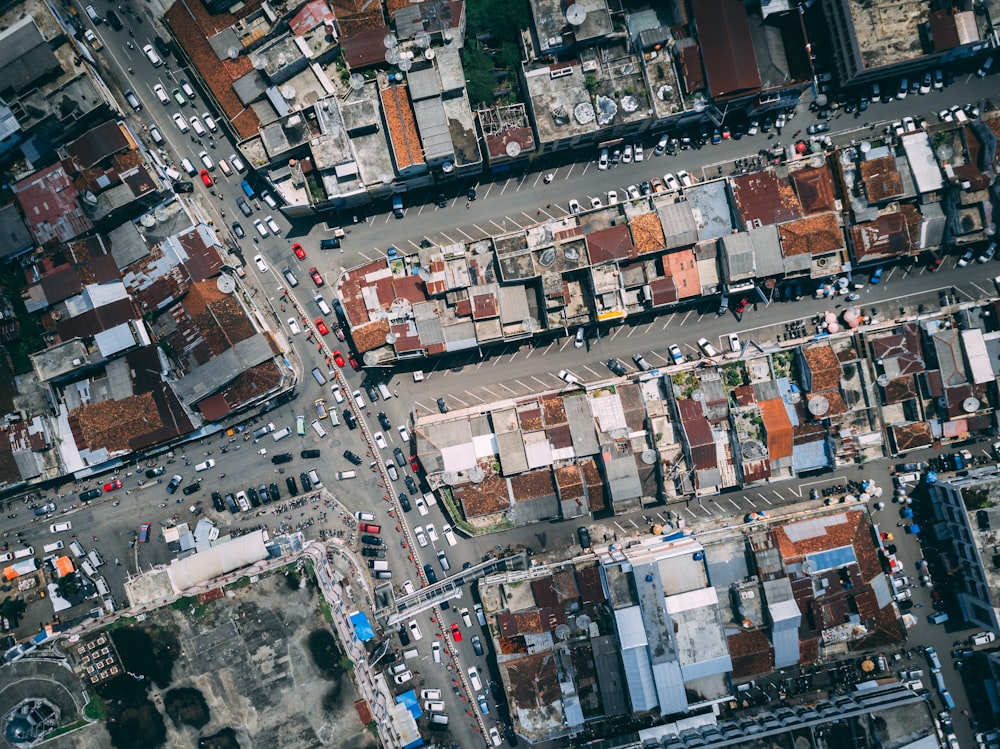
point(12, 608)
point(68, 585)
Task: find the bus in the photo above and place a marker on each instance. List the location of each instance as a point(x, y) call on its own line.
point(300, 425)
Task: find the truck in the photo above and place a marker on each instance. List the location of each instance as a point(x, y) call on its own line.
point(320, 408)
point(93, 40)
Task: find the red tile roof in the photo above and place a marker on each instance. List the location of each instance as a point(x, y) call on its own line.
point(402, 123)
point(815, 188)
point(778, 428)
point(881, 179)
point(813, 235)
point(311, 15)
point(363, 49)
point(885, 236)
point(613, 243)
point(823, 366)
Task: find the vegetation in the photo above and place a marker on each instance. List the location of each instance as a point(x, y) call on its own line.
point(492, 48)
point(95, 709)
point(224, 739)
point(133, 721)
point(12, 608)
point(29, 330)
point(150, 652)
point(67, 585)
point(327, 655)
point(186, 706)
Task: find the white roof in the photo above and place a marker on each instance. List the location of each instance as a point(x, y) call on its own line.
point(239, 552)
point(926, 172)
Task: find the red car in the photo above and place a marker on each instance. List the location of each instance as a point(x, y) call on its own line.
point(934, 264)
point(354, 363)
point(339, 332)
point(299, 252)
point(414, 465)
point(741, 306)
point(206, 178)
point(321, 326)
point(316, 277)
point(456, 632)
point(112, 485)
point(144, 533)
point(339, 358)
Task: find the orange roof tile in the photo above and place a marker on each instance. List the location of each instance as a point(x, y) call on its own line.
point(647, 232)
point(778, 427)
point(881, 179)
point(815, 235)
point(402, 127)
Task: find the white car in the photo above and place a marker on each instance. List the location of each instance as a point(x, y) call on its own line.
point(237, 163)
point(293, 326)
point(196, 124)
point(612, 197)
point(495, 736)
point(574, 206)
point(945, 115)
point(639, 156)
point(403, 677)
point(671, 183)
point(358, 399)
point(707, 348)
point(209, 121)
point(474, 678)
point(272, 224)
point(161, 94)
point(965, 259)
point(627, 155)
point(734, 342)
point(421, 506)
point(602, 159)
point(596, 203)
point(206, 160)
point(259, 226)
point(261, 265)
point(780, 121)
point(152, 56)
point(675, 353)
point(431, 533)
point(633, 192)
point(380, 440)
point(181, 123)
point(338, 394)
point(466, 619)
point(403, 434)
point(418, 533)
point(205, 465)
point(415, 630)
point(685, 178)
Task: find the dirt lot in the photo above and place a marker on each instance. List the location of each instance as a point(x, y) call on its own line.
point(253, 656)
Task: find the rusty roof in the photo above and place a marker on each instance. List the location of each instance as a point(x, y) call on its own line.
point(532, 485)
point(691, 68)
point(696, 426)
point(727, 47)
point(815, 188)
point(485, 498)
point(764, 197)
point(611, 244)
point(311, 15)
point(900, 389)
point(751, 652)
point(912, 436)
point(824, 366)
point(532, 682)
point(402, 124)
point(484, 304)
point(497, 144)
point(354, 16)
point(777, 427)
point(363, 49)
point(663, 291)
point(881, 179)
point(885, 236)
point(591, 588)
point(594, 482)
point(813, 235)
point(51, 206)
point(647, 232)
point(93, 321)
point(97, 144)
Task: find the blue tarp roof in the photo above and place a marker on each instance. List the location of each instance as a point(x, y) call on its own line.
point(362, 627)
point(409, 699)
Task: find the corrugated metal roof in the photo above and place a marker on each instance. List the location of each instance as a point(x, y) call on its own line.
point(433, 127)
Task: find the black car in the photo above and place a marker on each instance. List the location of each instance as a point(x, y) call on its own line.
point(442, 406)
point(217, 502)
point(371, 540)
point(905, 605)
point(442, 201)
point(281, 458)
point(262, 492)
point(293, 489)
point(645, 188)
point(410, 483)
point(113, 20)
point(231, 504)
point(238, 230)
point(352, 457)
point(404, 637)
point(183, 187)
point(349, 419)
point(161, 47)
point(404, 502)
point(616, 366)
point(508, 732)
point(309, 454)
point(152, 473)
point(273, 493)
point(477, 645)
point(244, 206)
point(174, 483)
point(584, 536)
point(191, 489)
point(429, 572)
point(253, 497)
point(94, 494)
point(369, 551)
point(384, 421)
point(400, 458)
point(304, 480)
point(372, 392)
point(471, 193)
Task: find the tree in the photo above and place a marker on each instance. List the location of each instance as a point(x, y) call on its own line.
point(12, 608)
point(68, 585)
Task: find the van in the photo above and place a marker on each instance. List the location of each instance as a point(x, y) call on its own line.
point(334, 418)
point(132, 99)
point(449, 534)
point(93, 15)
point(344, 475)
point(60, 527)
point(314, 477)
point(904, 479)
point(383, 575)
point(938, 678)
point(438, 722)
point(266, 429)
point(379, 565)
point(172, 173)
point(430, 694)
point(410, 654)
point(88, 568)
point(947, 699)
point(368, 517)
point(77, 550)
point(102, 586)
point(384, 390)
point(480, 617)
point(429, 499)
point(318, 376)
point(281, 434)
point(50, 548)
point(397, 202)
point(289, 277)
point(24, 553)
point(323, 306)
point(188, 167)
point(95, 558)
point(318, 428)
point(933, 658)
point(434, 706)
point(224, 166)
point(247, 190)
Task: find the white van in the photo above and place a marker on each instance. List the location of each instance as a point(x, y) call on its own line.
point(93, 15)
point(334, 417)
point(429, 499)
point(449, 535)
point(188, 167)
point(430, 694)
point(317, 427)
point(378, 565)
point(410, 654)
point(344, 475)
point(77, 550)
point(50, 548)
point(434, 706)
point(102, 586)
point(172, 173)
point(281, 434)
point(368, 517)
point(224, 166)
point(24, 553)
point(323, 306)
point(205, 465)
point(60, 527)
point(314, 478)
point(384, 390)
point(88, 568)
point(95, 558)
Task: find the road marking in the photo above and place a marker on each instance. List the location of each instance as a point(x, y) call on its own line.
point(614, 333)
point(596, 373)
point(503, 229)
point(631, 331)
point(473, 395)
point(489, 189)
point(506, 184)
point(685, 318)
point(551, 344)
point(540, 382)
point(448, 238)
point(514, 355)
point(566, 343)
point(522, 385)
point(661, 358)
point(619, 527)
point(733, 503)
point(420, 405)
point(467, 236)
point(985, 293)
point(478, 228)
point(532, 219)
point(506, 388)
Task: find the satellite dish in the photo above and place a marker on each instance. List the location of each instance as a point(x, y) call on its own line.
point(649, 457)
point(970, 405)
point(447, 167)
point(161, 214)
point(547, 257)
point(584, 112)
point(476, 475)
point(698, 395)
point(583, 622)
point(225, 284)
point(423, 274)
point(819, 405)
point(513, 149)
point(233, 52)
point(389, 41)
point(390, 338)
point(450, 478)
point(429, 54)
point(405, 64)
point(147, 220)
point(571, 253)
point(795, 398)
point(288, 92)
point(357, 81)
point(698, 105)
point(576, 14)
point(392, 56)
point(531, 324)
point(562, 632)
point(422, 39)
point(865, 146)
point(370, 359)
point(882, 380)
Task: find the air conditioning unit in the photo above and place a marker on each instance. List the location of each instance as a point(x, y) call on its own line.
point(560, 73)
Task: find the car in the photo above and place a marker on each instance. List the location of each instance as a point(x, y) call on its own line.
point(638, 154)
point(616, 367)
point(379, 440)
point(404, 637)
point(352, 457)
point(421, 506)
point(259, 262)
point(632, 192)
point(403, 677)
point(494, 735)
point(574, 206)
point(602, 159)
point(818, 127)
point(671, 183)
point(238, 230)
point(627, 155)
point(945, 115)
point(273, 226)
point(661, 145)
point(244, 207)
point(368, 551)
point(612, 197)
point(206, 177)
point(338, 394)
point(206, 160)
point(350, 357)
point(349, 419)
point(645, 188)
point(183, 187)
point(400, 458)
point(112, 485)
point(430, 574)
point(484, 705)
point(404, 502)
point(152, 56)
point(935, 263)
point(292, 487)
point(237, 163)
point(595, 202)
point(675, 353)
point(217, 502)
point(734, 342)
point(926, 83)
point(982, 638)
point(181, 123)
point(938, 77)
point(474, 679)
point(299, 252)
point(161, 94)
point(152, 473)
point(293, 326)
point(707, 348)
point(876, 276)
point(144, 530)
point(984, 69)
point(909, 125)
point(209, 121)
point(339, 359)
point(780, 121)
point(175, 481)
point(316, 276)
point(384, 420)
point(685, 178)
point(414, 465)
point(938, 617)
point(903, 89)
point(370, 540)
point(456, 632)
point(191, 488)
point(657, 185)
point(641, 363)
point(273, 494)
point(261, 229)
point(966, 258)
point(403, 433)
point(716, 137)
point(988, 253)
point(442, 406)
point(321, 326)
